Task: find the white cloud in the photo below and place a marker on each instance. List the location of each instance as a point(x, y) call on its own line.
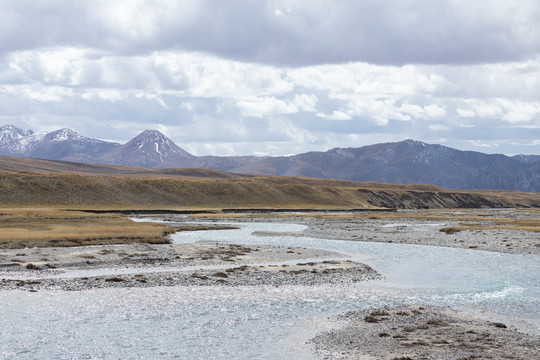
point(277, 72)
point(187, 106)
point(104, 94)
point(438, 127)
point(307, 103)
point(381, 111)
point(216, 88)
point(487, 109)
point(335, 115)
point(518, 112)
point(465, 113)
point(38, 92)
point(434, 111)
point(412, 110)
point(265, 105)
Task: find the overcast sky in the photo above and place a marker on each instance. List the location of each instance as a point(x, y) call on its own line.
point(254, 77)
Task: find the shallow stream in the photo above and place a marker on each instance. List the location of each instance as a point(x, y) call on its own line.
point(261, 322)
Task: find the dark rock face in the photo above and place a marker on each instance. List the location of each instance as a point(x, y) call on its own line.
point(431, 200)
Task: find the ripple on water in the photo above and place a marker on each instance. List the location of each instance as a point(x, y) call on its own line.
point(256, 322)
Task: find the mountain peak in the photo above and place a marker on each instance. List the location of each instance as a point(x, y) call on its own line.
point(151, 135)
point(63, 144)
point(153, 143)
point(152, 132)
point(414, 143)
point(149, 149)
point(64, 134)
point(10, 129)
point(12, 140)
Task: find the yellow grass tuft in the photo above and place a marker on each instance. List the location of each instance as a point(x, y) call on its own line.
point(42, 228)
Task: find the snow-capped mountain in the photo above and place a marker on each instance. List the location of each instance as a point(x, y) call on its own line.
point(405, 162)
point(14, 141)
point(63, 144)
point(66, 144)
point(148, 149)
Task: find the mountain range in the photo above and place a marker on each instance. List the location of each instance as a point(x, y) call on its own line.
point(405, 162)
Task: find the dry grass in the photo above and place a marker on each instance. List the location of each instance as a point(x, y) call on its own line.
point(106, 192)
point(44, 228)
point(509, 224)
point(41, 183)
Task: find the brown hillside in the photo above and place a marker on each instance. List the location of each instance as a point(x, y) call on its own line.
point(43, 183)
point(40, 166)
point(69, 190)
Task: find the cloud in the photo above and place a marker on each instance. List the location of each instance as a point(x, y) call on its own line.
point(305, 102)
point(176, 89)
point(265, 105)
point(432, 111)
point(439, 127)
point(465, 113)
point(246, 77)
point(281, 32)
point(335, 115)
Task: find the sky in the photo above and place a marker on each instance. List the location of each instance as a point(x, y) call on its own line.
point(276, 77)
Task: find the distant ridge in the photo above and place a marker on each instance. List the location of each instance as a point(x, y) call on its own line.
point(405, 162)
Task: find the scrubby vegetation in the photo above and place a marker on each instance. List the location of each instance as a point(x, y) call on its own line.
point(42, 228)
point(48, 227)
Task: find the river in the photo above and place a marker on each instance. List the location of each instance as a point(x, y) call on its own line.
point(261, 322)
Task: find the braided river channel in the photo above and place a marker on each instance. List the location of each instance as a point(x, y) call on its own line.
point(263, 322)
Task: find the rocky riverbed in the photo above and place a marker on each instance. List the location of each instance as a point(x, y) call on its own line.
point(199, 264)
point(419, 228)
point(403, 332)
point(422, 332)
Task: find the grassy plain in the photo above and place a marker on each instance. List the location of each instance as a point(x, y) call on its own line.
point(28, 228)
point(47, 227)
